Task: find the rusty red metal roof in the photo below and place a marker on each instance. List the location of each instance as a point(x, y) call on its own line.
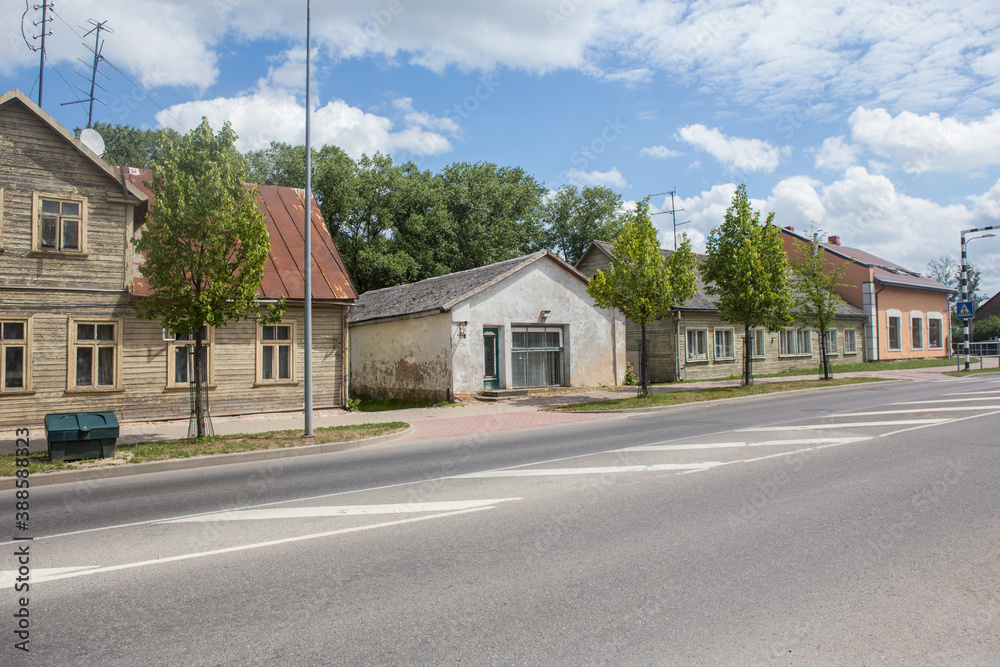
point(284, 213)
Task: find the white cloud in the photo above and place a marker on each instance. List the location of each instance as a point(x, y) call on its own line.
point(273, 114)
point(661, 152)
point(836, 155)
point(734, 152)
point(929, 143)
point(612, 178)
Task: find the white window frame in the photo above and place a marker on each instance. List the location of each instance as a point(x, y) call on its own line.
point(183, 340)
point(916, 316)
point(757, 344)
point(891, 315)
point(796, 343)
point(23, 343)
point(700, 344)
point(95, 344)
point(36, 224)
point(728, 340)
point(831, 342)
point(277, 343)
point(852, 336)
point(939, 318)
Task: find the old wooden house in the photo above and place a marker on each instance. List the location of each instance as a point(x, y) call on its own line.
point(70, 338)
point(695, 343)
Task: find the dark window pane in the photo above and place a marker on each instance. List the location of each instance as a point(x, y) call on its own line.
point(106, 366)
point(49, 206)
point(106, 332)
point(284, 362)
point(519, 366)
point(283, 333)
point(267, 362)
point(13, 330)
point(267, 333)
point(71, 234)
point(490, 351)
point(49, 232)
point(84, 366)
point(536, 339)
point(181, 364)
point(13, 364)
point(520, 340)
point(85, 332)
point(71, 209)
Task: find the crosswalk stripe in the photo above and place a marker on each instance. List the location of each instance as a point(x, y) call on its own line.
point(812, 427)
point(910, 411)
point(341, 510)
point(39, 574)
point(726, 445)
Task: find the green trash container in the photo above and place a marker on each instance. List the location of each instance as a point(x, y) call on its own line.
point(81, 435)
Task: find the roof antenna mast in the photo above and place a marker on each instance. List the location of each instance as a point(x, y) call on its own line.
point(98, 47)
point(45, 6)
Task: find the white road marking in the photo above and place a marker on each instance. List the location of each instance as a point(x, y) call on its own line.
point(816, 427)
point(342, 510)
point(725, 445)
point(910, 411)
point(950, 400)
point(976, 393)
point(9, 577)
point(845, 441)
point(246, 547)
point(542, 472)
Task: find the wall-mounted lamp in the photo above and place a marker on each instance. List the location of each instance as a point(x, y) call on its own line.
point(461, 329)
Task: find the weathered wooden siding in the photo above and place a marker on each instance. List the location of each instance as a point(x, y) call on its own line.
point(37, 160)
point(661, 344)
point(143, 392)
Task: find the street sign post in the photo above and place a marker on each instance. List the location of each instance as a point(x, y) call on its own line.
point(964, 310)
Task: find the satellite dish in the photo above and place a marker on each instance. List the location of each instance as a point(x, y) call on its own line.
point(93, 140)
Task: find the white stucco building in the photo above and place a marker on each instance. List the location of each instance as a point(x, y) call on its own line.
point(527, 322)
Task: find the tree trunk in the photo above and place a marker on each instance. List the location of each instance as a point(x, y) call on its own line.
point(643, 362)
point(747, 361)
point(199, 409)
point(824, 362)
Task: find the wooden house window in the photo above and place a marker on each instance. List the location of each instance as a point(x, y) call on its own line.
point(757, 343)
point(276, 353)
point(180, 358)
point(850, 342)
point(60, 223)
point(795, 343)
point(830, 336)
point(95, 354)
point(15, 356)
point(724, 345)
point(697, 344)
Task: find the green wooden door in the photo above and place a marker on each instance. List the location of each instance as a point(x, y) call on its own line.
point(491, 358)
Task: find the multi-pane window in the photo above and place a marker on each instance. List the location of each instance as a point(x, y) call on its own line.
point(697, 344)
point(916, 331)
point(59, 224)
point(724, 348)
point(830, 339)
point(180, 358)
point(795, 342)
point(14, 355)
point(935, 333)
point(537, 356)
point(94, 354)
point(850, 342)
point(895, 339)
point(276, 353)
point(757, 343)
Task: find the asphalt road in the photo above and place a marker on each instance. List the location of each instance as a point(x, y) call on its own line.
point(842, 527)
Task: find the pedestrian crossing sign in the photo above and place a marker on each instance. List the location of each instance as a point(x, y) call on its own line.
point(964, 310)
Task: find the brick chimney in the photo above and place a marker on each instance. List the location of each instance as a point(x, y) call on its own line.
point(791, 229)
point(833, 240)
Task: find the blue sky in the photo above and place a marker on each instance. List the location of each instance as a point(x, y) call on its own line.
point(878, 121)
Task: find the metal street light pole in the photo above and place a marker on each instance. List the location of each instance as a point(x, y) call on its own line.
point(307, 260)
point(963, 281)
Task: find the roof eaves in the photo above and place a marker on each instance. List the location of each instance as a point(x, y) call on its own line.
point(448, 305)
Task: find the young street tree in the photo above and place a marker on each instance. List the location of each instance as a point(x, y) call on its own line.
point(815, 300)
point(641, 283)
point(205, 243)
point(747, 269)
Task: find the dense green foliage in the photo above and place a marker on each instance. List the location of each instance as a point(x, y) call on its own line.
point(131, 147)
point(573, 218)
point(641, 283)
point(747, 270)
point(815, 300)
point(205, 243)
point(988, 329)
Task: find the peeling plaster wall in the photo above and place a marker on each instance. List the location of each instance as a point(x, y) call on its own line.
point(402, 358)
point(594, 339)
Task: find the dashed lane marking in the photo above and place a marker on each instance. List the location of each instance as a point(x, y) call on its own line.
point(341, 510)
point(819, 427)
point(663, 447)
point(910, 411)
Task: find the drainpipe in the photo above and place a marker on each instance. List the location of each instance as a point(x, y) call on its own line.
point(878, 340)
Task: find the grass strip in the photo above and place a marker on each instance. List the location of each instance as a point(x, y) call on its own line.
point(959, 374)
point(711, 394)
point(861, 367)
point(161, 450)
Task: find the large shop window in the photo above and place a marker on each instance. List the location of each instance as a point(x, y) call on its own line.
point(537, 356)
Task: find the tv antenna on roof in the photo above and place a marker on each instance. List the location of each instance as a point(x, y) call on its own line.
point(98, 47)
point(45, 7)
point(673, 213)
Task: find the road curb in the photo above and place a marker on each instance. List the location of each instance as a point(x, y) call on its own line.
point(127, 470)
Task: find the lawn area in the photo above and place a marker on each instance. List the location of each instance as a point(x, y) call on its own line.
point(835, 369)
point(959, 374)
point(162, 450)
point(711, 394)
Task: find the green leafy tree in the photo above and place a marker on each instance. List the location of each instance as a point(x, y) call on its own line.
point(573, 218)
point(747, 270)
point(987, 329)
point(129, 146)
point(279, 164)
point(641, 283)
point(205, 243)
point(948, 271)
point(815, 300)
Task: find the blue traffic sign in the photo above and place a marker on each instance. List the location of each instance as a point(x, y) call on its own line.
point(964, 310)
